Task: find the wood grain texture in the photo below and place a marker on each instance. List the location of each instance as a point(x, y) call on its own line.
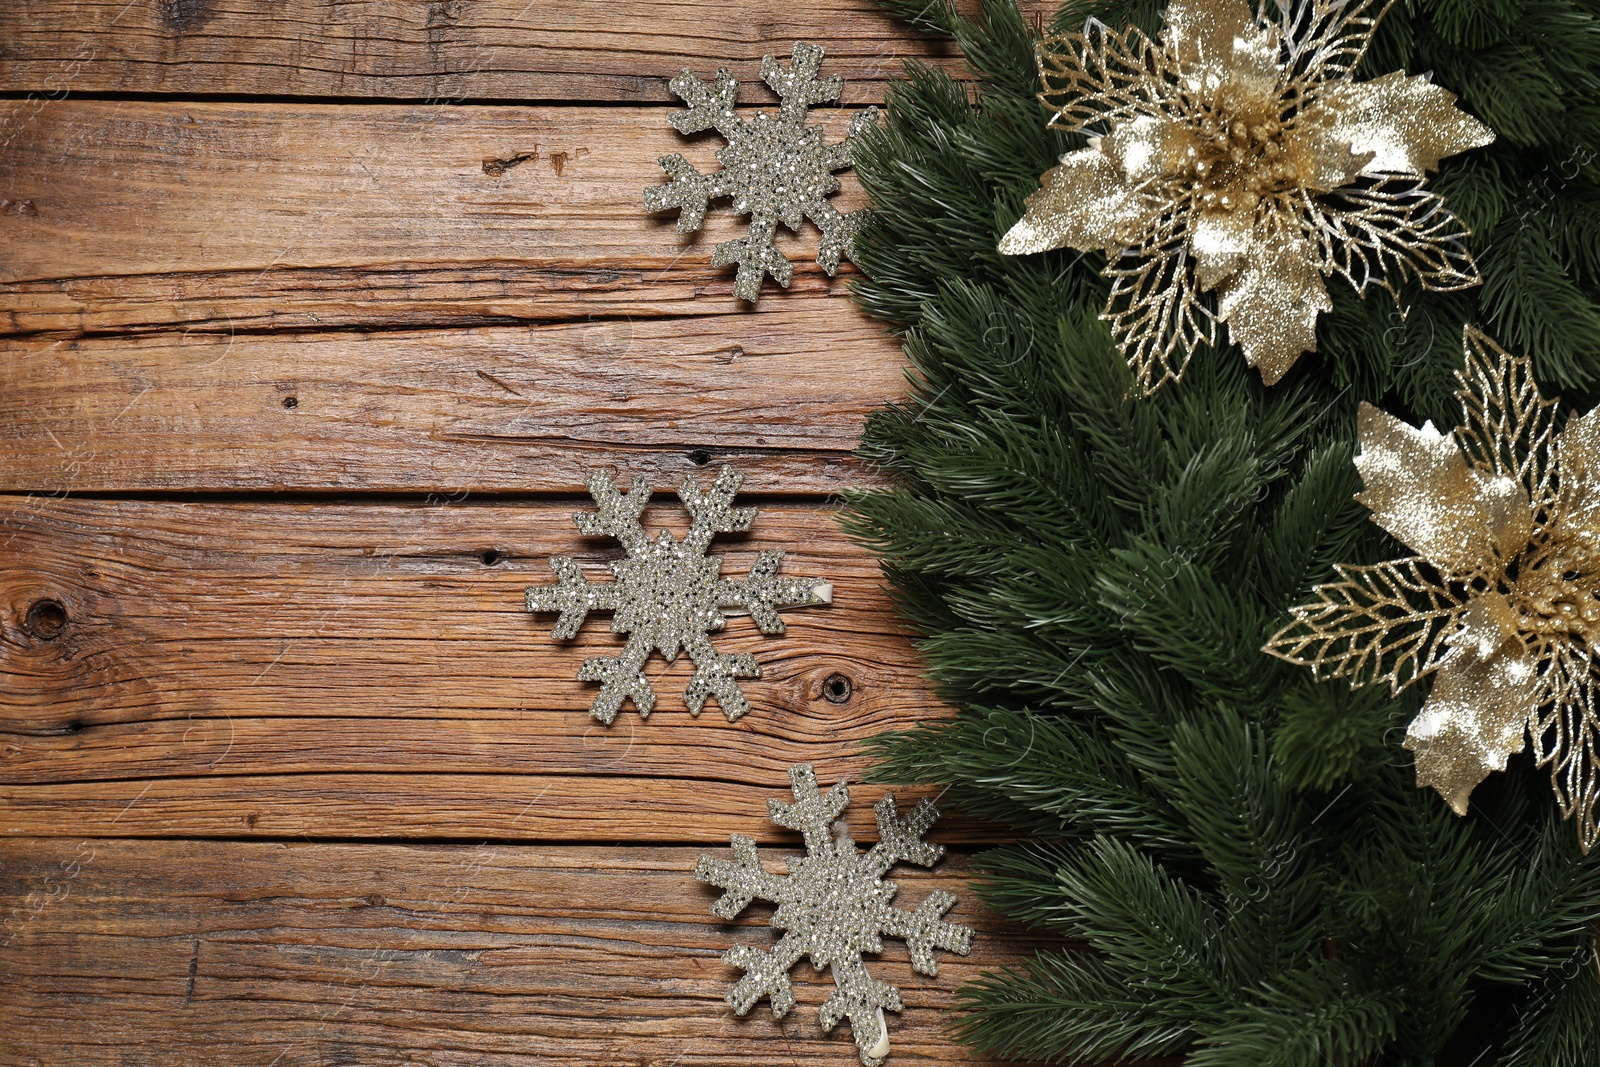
point(304, 955)
point(623, 50)
point(428, 319)
point(430, 807)
point(144, 199)
point(782, 393)
point(326, 669)
point(404, 295)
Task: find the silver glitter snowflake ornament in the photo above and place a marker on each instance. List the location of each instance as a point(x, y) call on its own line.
point(834, 905)
point(775, 169)
point(669, 595)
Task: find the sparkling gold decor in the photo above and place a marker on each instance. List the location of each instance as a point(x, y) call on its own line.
point(1237, 156)
point(1501, 603)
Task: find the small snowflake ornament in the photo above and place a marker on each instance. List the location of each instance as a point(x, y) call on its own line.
point(833, 906)
point(669, 596)
point(775, 169)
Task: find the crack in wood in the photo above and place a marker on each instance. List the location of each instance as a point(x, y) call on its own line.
point(497, 168)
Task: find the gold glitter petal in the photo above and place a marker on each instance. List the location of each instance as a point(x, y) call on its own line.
point(1408, 124)
point(1488, 623)
point(1578, 464)
point(1220, 241)
point(1154, 307)
point(1099, 77)
point(1217, 42)
point(1565, 735)
point(1084, 204)
point(1147, 147)
point(1271, 306)
point(1420, 488)
point(1384, 623)
point(1476, 718)
point(1506, 425)
point(1322, 153)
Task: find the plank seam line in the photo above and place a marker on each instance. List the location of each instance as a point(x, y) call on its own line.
point(665, 101)
point(812, 301)
point(780, 839)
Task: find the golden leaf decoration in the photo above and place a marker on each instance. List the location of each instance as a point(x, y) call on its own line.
point(1237, 156)
point(1500, 603)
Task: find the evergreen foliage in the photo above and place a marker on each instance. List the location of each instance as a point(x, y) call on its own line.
point(1237, 860)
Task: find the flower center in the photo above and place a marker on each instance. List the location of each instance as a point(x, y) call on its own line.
point(1557, 591)
point(1238, 157)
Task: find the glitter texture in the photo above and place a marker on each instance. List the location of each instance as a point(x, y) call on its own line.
point(1501, 603)
point(834, 905)
point(669, 595)
point(775, 169)
point(1237, 156)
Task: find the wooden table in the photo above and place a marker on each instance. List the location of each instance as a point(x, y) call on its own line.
point(316, 317)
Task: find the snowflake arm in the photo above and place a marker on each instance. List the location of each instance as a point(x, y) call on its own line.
point(715, 675)
point(763, 592)
point(924, 930)
point(668, 596)
point(862, 999)
point(901, 839)
point(689, 191)
point(616, 513)
point(834, 906)
point(574, 596)
point(799, 87)
point(766, 974)
point(743, 878)
point(812, 812)
point(712, 511)
point(711, 107)
point(622, 678)
point(756, 257)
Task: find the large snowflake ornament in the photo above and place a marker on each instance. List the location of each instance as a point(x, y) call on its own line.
point(776, 169)
point(834, 905)
point(669, 595)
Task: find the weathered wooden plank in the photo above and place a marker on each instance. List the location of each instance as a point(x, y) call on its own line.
point(503, 49)
point(205, 213)
point(389, 296)
point(119, 952)
point(331, 669)
point(498, 807)
point(165, 610)
point(782, 393)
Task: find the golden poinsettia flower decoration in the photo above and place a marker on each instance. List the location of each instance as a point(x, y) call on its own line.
point(1500, 604)
point(1237, 156)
